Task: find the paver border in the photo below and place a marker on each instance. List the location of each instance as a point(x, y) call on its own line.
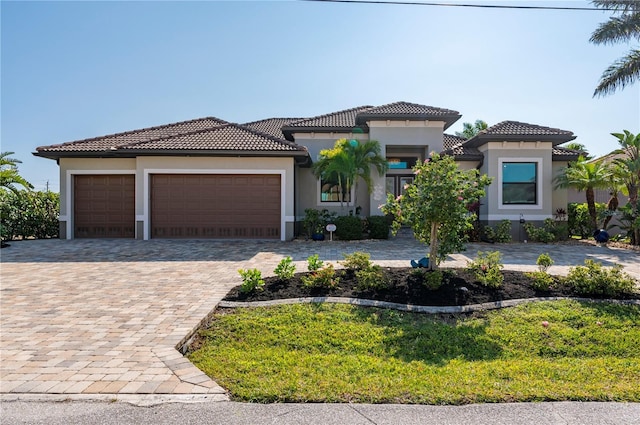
point(416, 308)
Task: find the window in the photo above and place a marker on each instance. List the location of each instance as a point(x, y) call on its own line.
point(330, 192)
point(402, 162)
point(519, 183)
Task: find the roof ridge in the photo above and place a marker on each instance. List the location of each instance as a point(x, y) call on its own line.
point(220, 127)
point(273, 118)
point(171, 136)
point(269, 136)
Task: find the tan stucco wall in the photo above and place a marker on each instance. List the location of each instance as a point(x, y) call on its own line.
point(494, 152)
point(307, 190)
point(424, 135)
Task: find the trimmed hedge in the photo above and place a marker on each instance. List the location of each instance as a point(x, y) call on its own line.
point(27, 214)
point(349, 227)
point(378, 227)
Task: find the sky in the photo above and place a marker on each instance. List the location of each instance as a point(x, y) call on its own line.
point(74, 70)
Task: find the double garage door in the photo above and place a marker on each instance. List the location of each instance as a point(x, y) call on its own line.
point(187, 206)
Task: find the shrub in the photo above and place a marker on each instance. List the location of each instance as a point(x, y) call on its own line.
point(503, 232)
point(594, 279)
point(315, 221)
point(486, 268)
point(285, 269)
point(542, 281)
point(28, 214)
point(321, 278)
point(371, 278)
point(251, 280)
point(544, 261)
point(378, 227)
point(357, 261)
point(550, 231)
point(314, 262)
point(432, 279)
point(578, 219)
point(348, 228)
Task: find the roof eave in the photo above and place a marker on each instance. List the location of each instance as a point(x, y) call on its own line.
point(482, 139)
point(132, 153)
point(449, 119)
point(288, 131)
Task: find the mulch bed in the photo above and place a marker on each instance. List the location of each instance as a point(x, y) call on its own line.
point(407, 288)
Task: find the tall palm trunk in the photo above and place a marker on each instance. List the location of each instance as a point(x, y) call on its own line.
point(612, 206)
point(591, 206)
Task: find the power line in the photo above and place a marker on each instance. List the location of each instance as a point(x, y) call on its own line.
point(485, 6)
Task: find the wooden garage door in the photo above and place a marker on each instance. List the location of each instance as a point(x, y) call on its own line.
point(215, 206)
point(104, 206)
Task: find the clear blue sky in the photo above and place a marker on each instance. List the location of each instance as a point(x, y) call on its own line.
point(73, 70)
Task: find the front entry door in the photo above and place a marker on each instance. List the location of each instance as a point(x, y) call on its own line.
point(396, 184)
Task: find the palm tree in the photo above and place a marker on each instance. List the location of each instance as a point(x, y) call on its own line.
point(348, 162)
point(588, 176)
point(629, 163)
point(622, 28)
point(334, 165)
point(470, 130)
point(366, 155)
point(9, 176)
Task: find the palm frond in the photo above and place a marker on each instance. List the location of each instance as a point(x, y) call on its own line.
point(617, 29)
point(621, 73)
point(618, 5)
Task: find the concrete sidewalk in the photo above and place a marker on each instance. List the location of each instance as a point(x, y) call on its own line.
point(229, 413)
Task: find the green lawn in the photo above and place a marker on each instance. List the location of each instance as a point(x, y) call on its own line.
point(338, 353)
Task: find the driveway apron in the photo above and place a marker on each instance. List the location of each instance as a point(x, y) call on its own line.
point(105, 316)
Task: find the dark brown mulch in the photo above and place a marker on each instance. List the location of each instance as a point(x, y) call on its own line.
point(407, 288)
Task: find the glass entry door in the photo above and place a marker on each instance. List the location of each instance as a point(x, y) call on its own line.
point(396, 184)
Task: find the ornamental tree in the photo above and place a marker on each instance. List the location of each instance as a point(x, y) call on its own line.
point(437, 205)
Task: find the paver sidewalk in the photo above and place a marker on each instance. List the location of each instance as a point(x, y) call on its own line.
point(104, 317)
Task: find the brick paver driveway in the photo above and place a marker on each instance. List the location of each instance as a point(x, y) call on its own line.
point(104, 317)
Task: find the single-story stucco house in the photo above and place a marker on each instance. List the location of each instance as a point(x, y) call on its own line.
point(208, 178)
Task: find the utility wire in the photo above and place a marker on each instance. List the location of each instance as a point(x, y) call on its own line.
point(486, 6)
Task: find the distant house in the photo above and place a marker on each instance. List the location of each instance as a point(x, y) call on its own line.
point(208, 178)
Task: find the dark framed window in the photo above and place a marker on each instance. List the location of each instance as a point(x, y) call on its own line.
point(519, 183)
point(330, 192)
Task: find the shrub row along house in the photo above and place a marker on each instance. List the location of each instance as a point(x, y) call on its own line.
point(208, 178)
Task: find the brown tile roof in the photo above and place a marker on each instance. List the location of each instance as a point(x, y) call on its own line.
point(228, 137)
point(454, 146)
point(271, 126)
point(449, 140)
point(205, 135)
point(564, 154)
point(340, 119)
point(111, 141)
point(408, 111)
point(520, 131)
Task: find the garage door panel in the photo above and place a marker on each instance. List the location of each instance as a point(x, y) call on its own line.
point(104, 206)
point(215, 206)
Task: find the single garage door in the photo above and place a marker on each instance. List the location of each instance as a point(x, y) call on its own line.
point(104, 206)
point(215, 206)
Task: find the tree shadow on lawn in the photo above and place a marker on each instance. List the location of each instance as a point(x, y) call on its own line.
point(432, 339)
